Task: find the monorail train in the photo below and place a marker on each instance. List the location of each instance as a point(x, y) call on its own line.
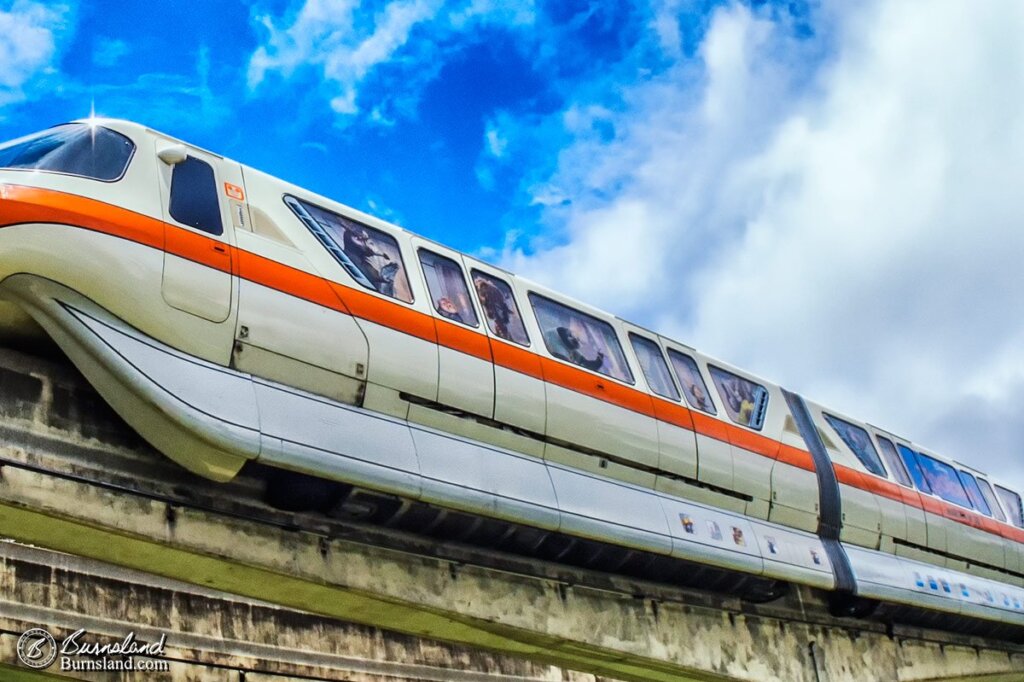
point(230, 317)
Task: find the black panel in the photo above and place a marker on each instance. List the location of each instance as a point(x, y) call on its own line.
point(830, 520)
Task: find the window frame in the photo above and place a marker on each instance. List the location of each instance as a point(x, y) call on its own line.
point(469, 296)
point(991, 499)
point(897, 467)
point(216, 196)
point(532, 295)
point(337, 251)
point(965, 476)
point(512, 292)
point(633, 337)
point(914, 468)
point(831, 419)
point(767, 396)
point(704, 384)
point(1012, 519)
point(955, 478)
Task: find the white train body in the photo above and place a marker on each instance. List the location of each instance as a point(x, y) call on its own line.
point(227, 316)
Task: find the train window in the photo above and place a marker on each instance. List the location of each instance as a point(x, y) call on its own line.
point(1011, 502)
point(369, 255)
point(859, 442)
point(910, 459)
point(500, 309)
point(896, 465)
point(581, 339)
point(78, 149)
point(990, 498)
point(652, 362)
point(974, 492)
point(692, 383)
point(448, 288)
point(745, 401)
point(194, 200)
point(943, 480)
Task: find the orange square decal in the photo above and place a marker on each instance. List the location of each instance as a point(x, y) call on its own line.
point(234, 191)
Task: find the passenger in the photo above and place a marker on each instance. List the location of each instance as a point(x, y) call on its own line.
point(449, 310)
point(745, 414)
point(358, 247)
point(700, 399)
point(495, 307)
point(565, 345)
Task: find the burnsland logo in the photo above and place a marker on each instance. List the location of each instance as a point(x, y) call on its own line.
point(38, 649)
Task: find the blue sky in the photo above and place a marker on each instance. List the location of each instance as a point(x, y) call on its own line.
point(439, 116)
point(823, 192)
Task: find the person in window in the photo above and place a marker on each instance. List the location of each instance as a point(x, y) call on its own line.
point(449, 310)
point(700, 399)
point(745, 413)
point(360, 250)
point(495, 306)
point(567, 347)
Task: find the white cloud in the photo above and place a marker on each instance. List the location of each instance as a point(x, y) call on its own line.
point(345, 42)
point(28, 44)
point(325, 34)
point(850, 229)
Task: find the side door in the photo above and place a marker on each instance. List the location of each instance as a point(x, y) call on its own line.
point(677, 445)
point(195, 187)
point(519, 395)
point(465, 364)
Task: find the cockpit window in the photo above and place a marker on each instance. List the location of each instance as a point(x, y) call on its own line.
point(78, 149)
point(369, 255)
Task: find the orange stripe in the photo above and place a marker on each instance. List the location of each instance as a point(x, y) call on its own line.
point(795, 457)
point(463, 340)
point(195, 247)
point(33, 205)
point(516, 359)
point(672, 413)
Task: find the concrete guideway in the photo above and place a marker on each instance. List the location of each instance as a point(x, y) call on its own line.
point(562, 618)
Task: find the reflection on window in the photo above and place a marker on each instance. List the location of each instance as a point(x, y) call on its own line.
point(694, 388)
point(580, 338)
point(974, 492)
point(194, 200)
point(74, 149)
point(990, 498)
point(745, 401)
point(500, 309)
point(369, 255)
point(652, 362)
point(859, 442)
point(896, 466)
point(448, 288)
point(1011, 502)
point(943, 480)
point(910, 459)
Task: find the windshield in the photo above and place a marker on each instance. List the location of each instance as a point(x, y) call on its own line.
point(73, 149)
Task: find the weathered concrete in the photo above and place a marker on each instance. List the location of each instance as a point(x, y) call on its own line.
point(215, 636)
point(543, 614)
